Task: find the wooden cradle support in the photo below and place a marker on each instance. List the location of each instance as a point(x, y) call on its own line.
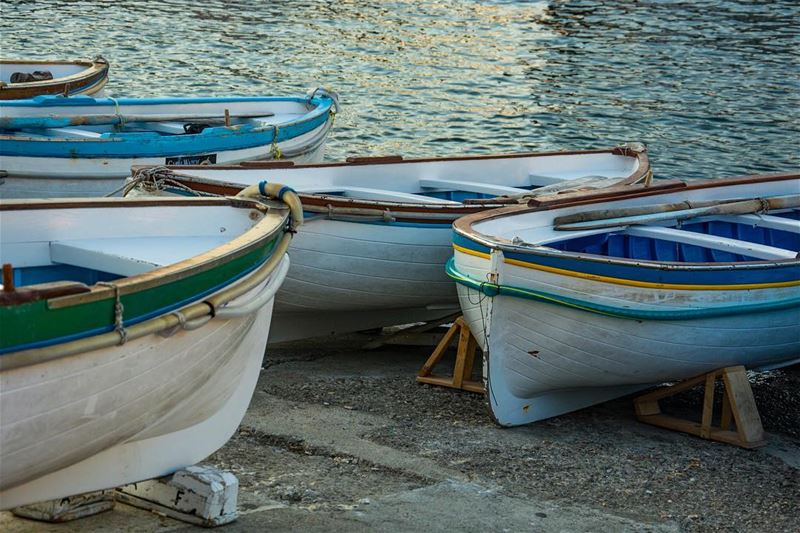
point(738, 408)
point(465, 360)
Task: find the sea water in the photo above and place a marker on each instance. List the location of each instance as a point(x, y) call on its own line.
point(711, 87)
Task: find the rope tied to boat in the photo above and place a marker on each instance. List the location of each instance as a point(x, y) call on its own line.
point(118, 113)
point(155, 179)
point(119, 311)
point(276, 150)
point(327, 93)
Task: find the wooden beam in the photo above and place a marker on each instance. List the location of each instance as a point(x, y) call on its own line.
point(465, 357)
point(471, 186)
point(712, 242)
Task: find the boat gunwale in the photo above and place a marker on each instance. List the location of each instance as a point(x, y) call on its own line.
point(183, 172)
point(464, 228)
point(95, 71)
point(262, 231)
point(353, 161)
point(49, 100)
point(622, 312)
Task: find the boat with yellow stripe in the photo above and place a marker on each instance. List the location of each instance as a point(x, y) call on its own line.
point(580, 300)
point(377, 232)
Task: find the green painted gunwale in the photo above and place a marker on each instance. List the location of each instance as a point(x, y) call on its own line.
point(155, 293)
point(37, 322)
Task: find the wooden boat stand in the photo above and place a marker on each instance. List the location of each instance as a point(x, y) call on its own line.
point(425, 334)
point(465, 359)
point(738, 405)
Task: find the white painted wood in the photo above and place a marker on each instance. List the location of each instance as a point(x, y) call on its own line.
point(713, 242)
point(72, 132)
point(543, 181)
point(132, 412)
point(535, 226)
point(545, 359)
point(68, 177)
point(198, 494)
point(405, 176)
point(347, 275)
point(471, 186)
point(170, 128)
point(365, 193)
point(26, 235)
point(256, 108)
point(69, 508)
point(58, 70)
point(131, 256)
point(764, 221)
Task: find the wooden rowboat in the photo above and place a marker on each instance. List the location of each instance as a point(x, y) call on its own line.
point(576, 301)
point(65, 78)
point(132, 335)
point(80, 146)
point(377, 232)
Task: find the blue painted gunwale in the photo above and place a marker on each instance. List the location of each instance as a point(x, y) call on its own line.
point(152, 144)
point(670, 273)
point(492, 290)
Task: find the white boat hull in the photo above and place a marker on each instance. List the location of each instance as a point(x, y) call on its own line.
point(137, 411)
point(348, 276)
point(25, 177)
point(544, 359)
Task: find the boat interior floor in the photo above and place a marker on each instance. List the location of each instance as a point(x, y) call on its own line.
point(729, 238)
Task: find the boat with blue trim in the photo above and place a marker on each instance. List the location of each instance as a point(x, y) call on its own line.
point(80, 146)
point(578, 300)
point(22, 79)
point(132, 334)
point(377, 232)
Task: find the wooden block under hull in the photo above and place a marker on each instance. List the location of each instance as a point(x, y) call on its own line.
point(69, 508)
point(198, 494)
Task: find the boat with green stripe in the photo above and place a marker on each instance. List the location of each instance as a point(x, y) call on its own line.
point(133, 331)
point(580, 300)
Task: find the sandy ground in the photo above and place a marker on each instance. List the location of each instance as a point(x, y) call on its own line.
point(342, 439)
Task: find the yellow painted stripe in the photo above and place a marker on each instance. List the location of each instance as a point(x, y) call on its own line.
point(633, 283)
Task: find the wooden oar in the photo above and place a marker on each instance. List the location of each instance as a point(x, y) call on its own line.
point(58, 121)
point(609, 218)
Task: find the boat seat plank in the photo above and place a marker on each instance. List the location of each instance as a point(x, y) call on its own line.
point(763, 221)
point(72, 132)
point(365, 193)
point(538, 180)
point(132, 255)
point(712, 242)
point(471, 186)
point(172, 128)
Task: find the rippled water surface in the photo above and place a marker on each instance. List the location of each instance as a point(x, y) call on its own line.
point(711, 87)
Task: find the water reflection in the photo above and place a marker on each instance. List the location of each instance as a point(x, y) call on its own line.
point(711, 87)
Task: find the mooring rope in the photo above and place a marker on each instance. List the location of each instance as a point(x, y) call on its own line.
point(154, 179)
point(119, 310)
point(276, 150)
point(118, 113)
